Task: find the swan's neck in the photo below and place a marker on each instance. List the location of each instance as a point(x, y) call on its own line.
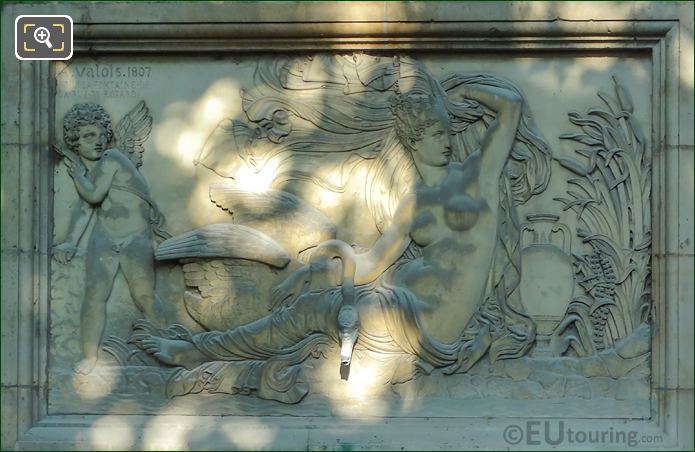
point(348, 290)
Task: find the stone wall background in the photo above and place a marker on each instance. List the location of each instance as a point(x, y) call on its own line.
point(663, 32)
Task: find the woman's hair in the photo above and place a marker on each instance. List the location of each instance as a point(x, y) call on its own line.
point(422, 100)
point(419, 102)
point(414, 113)
point(393, 173)
point(371, 109)
point(85, 114)
point(528, 165)
point(391, 176)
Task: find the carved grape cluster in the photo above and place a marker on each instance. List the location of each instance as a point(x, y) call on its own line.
point(598, 319)
point(603, 292)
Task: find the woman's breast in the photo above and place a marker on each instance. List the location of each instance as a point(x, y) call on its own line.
point(450, 256)
point(461, 212)
point(425, 228)
point(431, 225)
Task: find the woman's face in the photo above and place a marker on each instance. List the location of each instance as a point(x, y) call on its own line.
point(434, 147)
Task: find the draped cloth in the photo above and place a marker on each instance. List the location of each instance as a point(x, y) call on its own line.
point(265, 356)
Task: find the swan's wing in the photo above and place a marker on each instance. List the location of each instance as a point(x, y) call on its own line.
point(224, 240)
point(132, 131)
point(287, 218)
point(224, 293)
point(211, 278)
point(210, 291)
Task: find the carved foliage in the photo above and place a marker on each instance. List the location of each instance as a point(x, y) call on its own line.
point(611, 198)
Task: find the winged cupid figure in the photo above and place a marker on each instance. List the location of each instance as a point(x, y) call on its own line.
point(103, 164)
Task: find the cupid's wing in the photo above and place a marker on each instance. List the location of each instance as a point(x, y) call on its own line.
point(224, 240)
point(291, 221)
point(132, 131)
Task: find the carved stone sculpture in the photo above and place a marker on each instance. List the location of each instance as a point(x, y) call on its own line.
point(612, 203)
point(447, 207)
point(441, 291)
point(103, 164)
point(548, 281)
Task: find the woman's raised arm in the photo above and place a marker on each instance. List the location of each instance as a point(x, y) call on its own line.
point(499, 137)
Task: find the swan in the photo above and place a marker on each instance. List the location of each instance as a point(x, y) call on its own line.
point(348, 318)
point(269, 235)
point(323, 273)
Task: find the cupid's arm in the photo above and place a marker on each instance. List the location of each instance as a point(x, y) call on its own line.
point(79, 220)
point(389, 247)
point(94, 187)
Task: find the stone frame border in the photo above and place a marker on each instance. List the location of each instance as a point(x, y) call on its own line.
point(662, 31)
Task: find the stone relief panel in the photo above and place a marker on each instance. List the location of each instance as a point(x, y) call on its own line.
point(352, 235)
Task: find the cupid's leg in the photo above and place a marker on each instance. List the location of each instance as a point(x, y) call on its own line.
point(101, 268)
point(137, 264)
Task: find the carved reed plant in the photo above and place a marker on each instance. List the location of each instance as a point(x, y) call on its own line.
point(611, 197)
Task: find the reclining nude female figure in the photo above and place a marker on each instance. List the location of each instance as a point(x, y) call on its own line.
point(436, 306)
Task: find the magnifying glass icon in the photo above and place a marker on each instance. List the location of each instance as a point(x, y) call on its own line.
point(43, 36)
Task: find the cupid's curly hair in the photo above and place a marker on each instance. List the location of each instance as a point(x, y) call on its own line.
point(83, 115)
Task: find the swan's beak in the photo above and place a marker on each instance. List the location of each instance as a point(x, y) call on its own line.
point(346, 346)
point(348, 339)
point(348, 327)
